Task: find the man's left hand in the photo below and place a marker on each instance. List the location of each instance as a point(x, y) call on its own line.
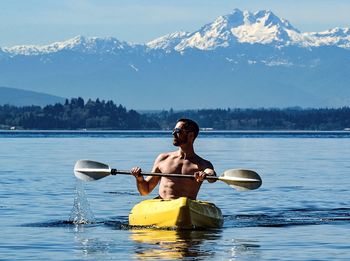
point(199, 176)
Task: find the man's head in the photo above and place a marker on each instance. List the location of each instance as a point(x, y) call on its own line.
point(184, 131)
point(190, 126)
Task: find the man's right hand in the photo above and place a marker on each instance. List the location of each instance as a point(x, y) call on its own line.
point(136, 172)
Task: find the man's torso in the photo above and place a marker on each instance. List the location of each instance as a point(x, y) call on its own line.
point(180, 187)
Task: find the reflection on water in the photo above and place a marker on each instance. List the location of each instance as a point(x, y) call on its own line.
point(152, 244)
point(245, 249)
point(172, 244)
point(90, 245)
point(105, 239)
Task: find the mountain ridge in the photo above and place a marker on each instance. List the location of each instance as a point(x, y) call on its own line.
point(241, 26)
point(262, 27)
point(242, 59)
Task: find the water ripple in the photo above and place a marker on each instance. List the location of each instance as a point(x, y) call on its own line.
point(292, 217)
point(116, 224)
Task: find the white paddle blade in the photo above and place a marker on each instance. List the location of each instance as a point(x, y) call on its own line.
point(241, 179)
point(88, 170)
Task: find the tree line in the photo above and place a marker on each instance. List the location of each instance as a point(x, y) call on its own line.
point(77, 114)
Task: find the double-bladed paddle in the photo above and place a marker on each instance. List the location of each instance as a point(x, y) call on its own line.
point(240, 179)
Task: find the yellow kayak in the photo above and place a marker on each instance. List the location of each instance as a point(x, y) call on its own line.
point(181, 213)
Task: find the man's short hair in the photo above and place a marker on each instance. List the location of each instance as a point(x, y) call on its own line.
point(190, 125)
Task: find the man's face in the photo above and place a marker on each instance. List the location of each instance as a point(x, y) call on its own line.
point(180, 134)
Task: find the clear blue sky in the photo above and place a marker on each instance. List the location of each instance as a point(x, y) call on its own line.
point(47, 21)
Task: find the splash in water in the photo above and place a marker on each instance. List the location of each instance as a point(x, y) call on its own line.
point(81, 212)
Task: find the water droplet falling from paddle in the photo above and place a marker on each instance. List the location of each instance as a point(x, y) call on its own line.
point(81, 212)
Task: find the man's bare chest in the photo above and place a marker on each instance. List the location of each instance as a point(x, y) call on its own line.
point(181, 166)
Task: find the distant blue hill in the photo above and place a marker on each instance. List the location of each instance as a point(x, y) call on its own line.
point(18, 97)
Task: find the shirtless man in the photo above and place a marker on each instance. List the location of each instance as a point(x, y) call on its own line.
point(184, 161)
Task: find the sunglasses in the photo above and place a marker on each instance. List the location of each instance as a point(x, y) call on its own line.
point(177, 130)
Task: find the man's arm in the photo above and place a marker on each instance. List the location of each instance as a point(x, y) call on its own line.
point(208, 171)
point(146, 186)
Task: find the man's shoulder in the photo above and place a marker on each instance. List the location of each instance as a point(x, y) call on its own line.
point(204, 162)
point(165, 155)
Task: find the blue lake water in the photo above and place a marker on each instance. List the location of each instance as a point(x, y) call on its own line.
point(301, 212)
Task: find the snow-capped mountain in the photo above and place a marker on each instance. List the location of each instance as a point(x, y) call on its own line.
point(335, 37)
point(262, 27)
point(168, 42)
point(78, 44)
point(242, 59)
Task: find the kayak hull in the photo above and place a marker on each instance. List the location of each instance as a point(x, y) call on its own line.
point(181, 213)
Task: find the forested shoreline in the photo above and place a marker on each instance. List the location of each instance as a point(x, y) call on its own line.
point(77, 114)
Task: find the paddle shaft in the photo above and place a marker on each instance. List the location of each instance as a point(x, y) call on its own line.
point(89, 170)
point(168, 175)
